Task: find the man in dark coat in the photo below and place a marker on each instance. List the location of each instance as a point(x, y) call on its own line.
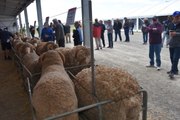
point(117, 28)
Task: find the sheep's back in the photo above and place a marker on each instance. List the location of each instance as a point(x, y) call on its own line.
point(54, 95)
point(111, 84)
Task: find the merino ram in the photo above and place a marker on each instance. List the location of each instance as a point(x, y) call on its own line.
point(54, 93)
point(45, 46)
point(31, 61)
point(111, 84)
point(78, 57)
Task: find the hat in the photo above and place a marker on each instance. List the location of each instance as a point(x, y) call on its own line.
point(46, 24)
point(176, 13)
point(154, 18)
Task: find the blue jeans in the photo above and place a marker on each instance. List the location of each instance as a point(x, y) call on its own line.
point(126, 32)
point(118, 33)
point(110, 40)
point(174, 56)
point(145, 37)
point(155, 49)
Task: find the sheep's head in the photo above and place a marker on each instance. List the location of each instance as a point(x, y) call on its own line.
point(82, 54)
point(27, 48)
point(52, 57)
point(34, 41)
point(51, 46)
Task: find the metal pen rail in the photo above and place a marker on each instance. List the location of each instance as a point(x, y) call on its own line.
point(98, 104)
point(144, 107)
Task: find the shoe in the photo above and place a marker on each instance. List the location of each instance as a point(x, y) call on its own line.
point(108, 47)
point(97, 49)
point(171, 75)
point(175, 73)
point(150, 66)
point(158, 68)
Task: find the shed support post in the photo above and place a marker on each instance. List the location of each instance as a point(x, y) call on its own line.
point(39, 16)
point(27, 22)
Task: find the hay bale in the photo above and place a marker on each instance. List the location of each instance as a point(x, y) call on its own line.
point(54, 93)
point(111, 84)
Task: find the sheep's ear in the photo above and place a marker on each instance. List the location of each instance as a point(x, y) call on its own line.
point(62, 56)
point(49, 47)
point(27, 50)
point(41, 58)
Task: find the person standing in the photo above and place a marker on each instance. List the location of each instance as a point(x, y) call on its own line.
point(131, 24)
point(155, 42)
point(109, 33)
point(59, 33)
point(97, 34)
point(77, 34)
point(174, 44)
point(47, 33)
point(5, 38)
point(103, 28)
point(67, 30)
point(145, 30)
point(126, 29)
point(167, 24)
point(117, 28)
point(32, 31)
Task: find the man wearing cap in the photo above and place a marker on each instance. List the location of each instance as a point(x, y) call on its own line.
point(155, 42)
point(174, 44)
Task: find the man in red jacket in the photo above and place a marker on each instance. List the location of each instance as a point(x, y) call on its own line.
point(97, 34)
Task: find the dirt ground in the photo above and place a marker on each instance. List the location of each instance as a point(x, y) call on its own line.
point(14, 101)
point(163, 93)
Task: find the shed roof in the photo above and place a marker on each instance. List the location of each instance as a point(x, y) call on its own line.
point(13, 7)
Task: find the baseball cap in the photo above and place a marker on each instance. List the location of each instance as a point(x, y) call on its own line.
point(176, 13)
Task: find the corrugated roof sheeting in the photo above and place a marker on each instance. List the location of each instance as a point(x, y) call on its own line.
point(13, 7)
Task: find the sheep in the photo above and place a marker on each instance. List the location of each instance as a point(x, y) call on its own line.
point(34, 41)
point(76, 56)
point(111, 84)
point(31, 62)
point(54, 93)
point(23, 49)
point(26, 39)
point(45, 46)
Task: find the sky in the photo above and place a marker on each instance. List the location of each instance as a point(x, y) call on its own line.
point(101, 9)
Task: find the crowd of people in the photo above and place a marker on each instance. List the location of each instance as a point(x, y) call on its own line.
point(169, 30)
point(153, 32)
